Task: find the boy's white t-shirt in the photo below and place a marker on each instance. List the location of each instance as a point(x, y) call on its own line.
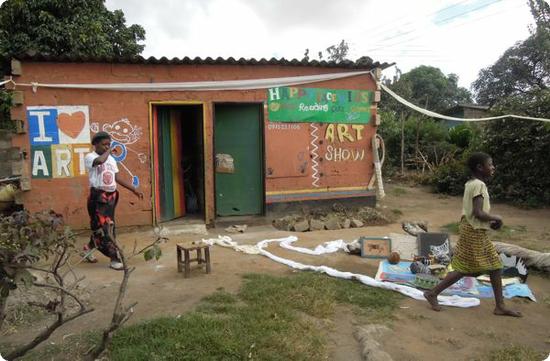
point(101, 176)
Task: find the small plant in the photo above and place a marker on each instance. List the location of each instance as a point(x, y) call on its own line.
point(451, 227)
point(40, 243)
point(398, 191)
point(397, 212)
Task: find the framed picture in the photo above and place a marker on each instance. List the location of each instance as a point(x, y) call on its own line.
point(375, 247)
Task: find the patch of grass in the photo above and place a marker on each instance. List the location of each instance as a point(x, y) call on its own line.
point(451, 227)
point(72, 348)
point(514, 353)
point(270, 318)
point(398, 191)
point(511, 231)
point(317, 295)
point(397, 212)
point(263, 321)
point(417, 316)
point(21, 315)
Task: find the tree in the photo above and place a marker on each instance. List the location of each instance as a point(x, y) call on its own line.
point(41, 244)
point(336, 53)
point(66, 27)
point(429, 88)
point(519, 83)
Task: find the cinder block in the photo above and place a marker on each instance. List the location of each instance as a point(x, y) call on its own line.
point(19, 126)
point(17, 97)
point(5, 170)
point(5, 135)
point(25, 183)
point(17, 168)
point(15, 154)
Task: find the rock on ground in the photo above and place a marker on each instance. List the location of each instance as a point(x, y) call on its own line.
point(302, 226)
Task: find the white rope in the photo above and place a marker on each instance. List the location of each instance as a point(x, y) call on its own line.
point(10, 80)
point(441, 116)
point(245, 84)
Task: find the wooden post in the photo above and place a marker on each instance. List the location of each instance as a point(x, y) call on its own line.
point(402, 145)
point(207, 259)
point(178, 249)
point(187, 263)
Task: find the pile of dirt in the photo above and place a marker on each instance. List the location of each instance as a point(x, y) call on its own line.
point(338, 217)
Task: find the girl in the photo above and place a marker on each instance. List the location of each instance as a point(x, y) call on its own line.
point(474, 253)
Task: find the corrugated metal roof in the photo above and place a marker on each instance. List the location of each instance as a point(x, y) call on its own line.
point(362, 63)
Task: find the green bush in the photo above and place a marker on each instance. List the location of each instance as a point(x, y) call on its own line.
point(520, 151)
point(450, 178)
point(431, 140)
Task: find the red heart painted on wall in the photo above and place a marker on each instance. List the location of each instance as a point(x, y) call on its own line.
point(71, 124)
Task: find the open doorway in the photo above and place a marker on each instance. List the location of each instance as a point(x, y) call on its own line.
point(178, 161)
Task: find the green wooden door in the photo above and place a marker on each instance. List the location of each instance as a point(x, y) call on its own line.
point(237, 132)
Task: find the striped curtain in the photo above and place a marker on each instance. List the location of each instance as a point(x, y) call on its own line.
point(169, 190)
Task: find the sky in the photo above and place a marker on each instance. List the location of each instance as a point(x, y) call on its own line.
point(457, 36)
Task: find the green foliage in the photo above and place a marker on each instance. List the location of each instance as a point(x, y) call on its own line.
point(154, 252)
point(5, 105)
point(450, 178)
point(460, 135)
point(520, 152)
point(26, 239)
point(519, 83)
point(66, 27)
point(62, 27)
point(428, 87)
point(432, 137)
point(338, 52)
point(514, 353)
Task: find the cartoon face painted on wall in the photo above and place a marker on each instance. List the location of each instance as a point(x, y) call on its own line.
point(123, 131)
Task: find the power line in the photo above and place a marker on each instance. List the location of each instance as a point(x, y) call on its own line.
point(382, 30)
point(381, 46)
point(412, 30)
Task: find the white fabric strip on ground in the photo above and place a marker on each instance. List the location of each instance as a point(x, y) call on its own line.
point(455, 301)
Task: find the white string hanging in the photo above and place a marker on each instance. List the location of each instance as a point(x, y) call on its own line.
point(441, 116)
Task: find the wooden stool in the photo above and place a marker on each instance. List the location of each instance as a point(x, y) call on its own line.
point(185, 263)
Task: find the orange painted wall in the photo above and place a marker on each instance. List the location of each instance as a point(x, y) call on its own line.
point(288, 156)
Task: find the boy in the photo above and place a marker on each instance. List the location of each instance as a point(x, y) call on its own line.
point(103, 176)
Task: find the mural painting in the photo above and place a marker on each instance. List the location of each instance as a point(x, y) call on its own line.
point(60, 137)
point(123, 134)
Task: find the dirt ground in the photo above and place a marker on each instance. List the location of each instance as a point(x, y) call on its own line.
point(417, 332)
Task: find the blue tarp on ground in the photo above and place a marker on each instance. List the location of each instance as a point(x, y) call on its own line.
point(466, 287)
